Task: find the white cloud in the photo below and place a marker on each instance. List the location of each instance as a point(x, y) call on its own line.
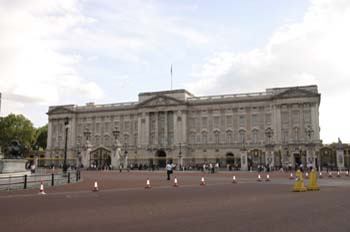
point(314, 51)
point(33, 60)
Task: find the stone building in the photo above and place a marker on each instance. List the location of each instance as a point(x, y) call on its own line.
point(278, 127)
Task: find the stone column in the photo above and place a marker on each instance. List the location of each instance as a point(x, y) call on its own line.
point(244, 160)
point(156, 137)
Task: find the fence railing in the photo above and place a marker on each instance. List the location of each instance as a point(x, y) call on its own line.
point(34, 180)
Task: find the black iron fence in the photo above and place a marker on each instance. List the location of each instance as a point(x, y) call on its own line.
point(10, 182)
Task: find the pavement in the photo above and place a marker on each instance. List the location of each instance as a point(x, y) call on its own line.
point(123, 204)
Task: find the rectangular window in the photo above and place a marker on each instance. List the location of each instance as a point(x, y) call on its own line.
point(241, 121)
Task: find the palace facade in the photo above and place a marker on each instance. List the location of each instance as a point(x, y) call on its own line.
point(275, 128)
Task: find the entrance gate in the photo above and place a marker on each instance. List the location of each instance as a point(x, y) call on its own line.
point(100, 158)
point(161, 158)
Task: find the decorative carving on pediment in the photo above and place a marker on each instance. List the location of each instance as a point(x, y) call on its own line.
point(296, 92)
point(161, 101)
point(60, 110)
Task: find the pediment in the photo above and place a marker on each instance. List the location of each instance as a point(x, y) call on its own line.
point(161, 100)
point(60, 110)
point(296, 93)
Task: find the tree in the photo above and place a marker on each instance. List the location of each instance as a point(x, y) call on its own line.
point(16, 127)
point(40, 138)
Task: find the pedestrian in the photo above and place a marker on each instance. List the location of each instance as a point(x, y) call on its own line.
point(32, 168)
point(169, 170)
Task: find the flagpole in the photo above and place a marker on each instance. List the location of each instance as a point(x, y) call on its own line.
point(171, 77)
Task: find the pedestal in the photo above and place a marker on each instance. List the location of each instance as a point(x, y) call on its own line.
point(310, 159)
point(270, 159)
point(85, 159)
point(340, 159)
point(13, 166)
point(244, 160)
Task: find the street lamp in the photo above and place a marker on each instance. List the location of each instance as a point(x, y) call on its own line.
point(269, 135)
point(78, 155)
point(66, 124)
point(87, 134)
point(180, 156)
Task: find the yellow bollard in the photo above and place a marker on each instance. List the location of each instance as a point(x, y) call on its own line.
point(313, 186)
point(299, 182)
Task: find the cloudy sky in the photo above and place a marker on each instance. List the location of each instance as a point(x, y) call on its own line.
point(78, 51)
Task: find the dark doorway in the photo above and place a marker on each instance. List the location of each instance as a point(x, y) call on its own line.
point(161, 157)
point(297, 160)
point(230, 161)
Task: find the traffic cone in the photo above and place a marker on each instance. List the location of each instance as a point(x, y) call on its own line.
point(306, 175)
point(291, 176)
point(175, 182)
point(202, 181)
point(148, 183)
point(259, 178)
point(95, 189)
point(234, 180)
point(338, 174)
point(320, 175)
point(41, 191)
point(267, 177)
point(347, 173)
point(330, 175)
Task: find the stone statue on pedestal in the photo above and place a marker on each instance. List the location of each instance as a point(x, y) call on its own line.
point(15, 150)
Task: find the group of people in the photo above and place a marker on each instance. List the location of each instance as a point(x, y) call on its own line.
point(210, 167)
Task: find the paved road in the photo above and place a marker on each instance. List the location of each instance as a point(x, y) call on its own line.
point(124, 205)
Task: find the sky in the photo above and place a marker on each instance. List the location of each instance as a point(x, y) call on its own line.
point(78, 51)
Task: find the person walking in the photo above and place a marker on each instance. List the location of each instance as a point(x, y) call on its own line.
point(169, 170)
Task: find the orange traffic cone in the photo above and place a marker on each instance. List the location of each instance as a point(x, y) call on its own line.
point(148, 183)
point(175, 182)
point(338, 174)
point(330, 175)
point(95, 189)
point(291, 176)
point(234, 180)
point(306, 175)
point(267, 177)
point(202, 181)
point(320, 175)
point(41, 191)
point(259, 178)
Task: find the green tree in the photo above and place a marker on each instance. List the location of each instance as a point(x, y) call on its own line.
point(40, 138)
point(16, 127)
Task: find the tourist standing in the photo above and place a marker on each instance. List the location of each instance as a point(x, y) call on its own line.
point(169, 170)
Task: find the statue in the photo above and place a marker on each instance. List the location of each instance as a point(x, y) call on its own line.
point(339, 141)
point(15, 150)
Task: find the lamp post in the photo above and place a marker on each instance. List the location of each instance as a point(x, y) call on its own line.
point(87, 134)
point(78, 155)
point(66, 124)
point(180, 157)
point(309, 133)
point(269, 135)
